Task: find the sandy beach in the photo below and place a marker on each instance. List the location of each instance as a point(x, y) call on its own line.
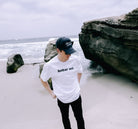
point(109, 102)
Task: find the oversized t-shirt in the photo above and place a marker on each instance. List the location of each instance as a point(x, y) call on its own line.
point(64, 77)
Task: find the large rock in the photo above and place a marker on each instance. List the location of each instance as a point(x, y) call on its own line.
point(113, 43)
point(14, 62)
point(50, 50)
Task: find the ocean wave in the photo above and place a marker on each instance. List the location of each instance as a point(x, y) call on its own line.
point(33, 52)
point(30, 50)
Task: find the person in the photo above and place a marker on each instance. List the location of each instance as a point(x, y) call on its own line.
point(65, 70)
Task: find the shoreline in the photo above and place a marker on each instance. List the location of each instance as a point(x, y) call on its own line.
point(109, 101)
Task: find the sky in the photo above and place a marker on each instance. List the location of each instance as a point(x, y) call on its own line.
point(41, 18)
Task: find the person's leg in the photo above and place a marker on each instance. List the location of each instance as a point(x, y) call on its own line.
point(77, 110)
point(64, 109)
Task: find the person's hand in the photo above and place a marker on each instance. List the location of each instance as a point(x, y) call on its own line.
point(53, 95)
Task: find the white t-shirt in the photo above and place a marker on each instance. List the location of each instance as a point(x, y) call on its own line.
point(64, 78)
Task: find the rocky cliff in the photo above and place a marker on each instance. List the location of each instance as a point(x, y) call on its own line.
point(113, 43)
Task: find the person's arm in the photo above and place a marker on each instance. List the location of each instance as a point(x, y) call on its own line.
point(79, 77)
point(46, 85)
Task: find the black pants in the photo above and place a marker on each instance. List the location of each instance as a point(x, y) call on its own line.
point(77, 110)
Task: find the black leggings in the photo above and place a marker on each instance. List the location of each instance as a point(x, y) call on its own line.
point(77, 110)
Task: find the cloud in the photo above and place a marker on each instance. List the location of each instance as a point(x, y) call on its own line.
point(34, 18)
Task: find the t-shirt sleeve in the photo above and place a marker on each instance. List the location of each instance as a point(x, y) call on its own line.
point(46, 73)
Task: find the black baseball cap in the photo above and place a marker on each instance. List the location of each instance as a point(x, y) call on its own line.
point(65, 44)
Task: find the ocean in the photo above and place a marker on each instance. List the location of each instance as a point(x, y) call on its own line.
point(33, 50)
point(30, 49)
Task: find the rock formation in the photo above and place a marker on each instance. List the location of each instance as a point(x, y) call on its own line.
point(14, 62)
point(50, 50)
point(113, 43)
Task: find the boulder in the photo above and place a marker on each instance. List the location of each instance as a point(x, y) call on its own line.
point(113, 43)
point(14, 62)
point(50, 50)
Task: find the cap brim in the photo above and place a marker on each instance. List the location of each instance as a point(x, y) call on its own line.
point(69, 51)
